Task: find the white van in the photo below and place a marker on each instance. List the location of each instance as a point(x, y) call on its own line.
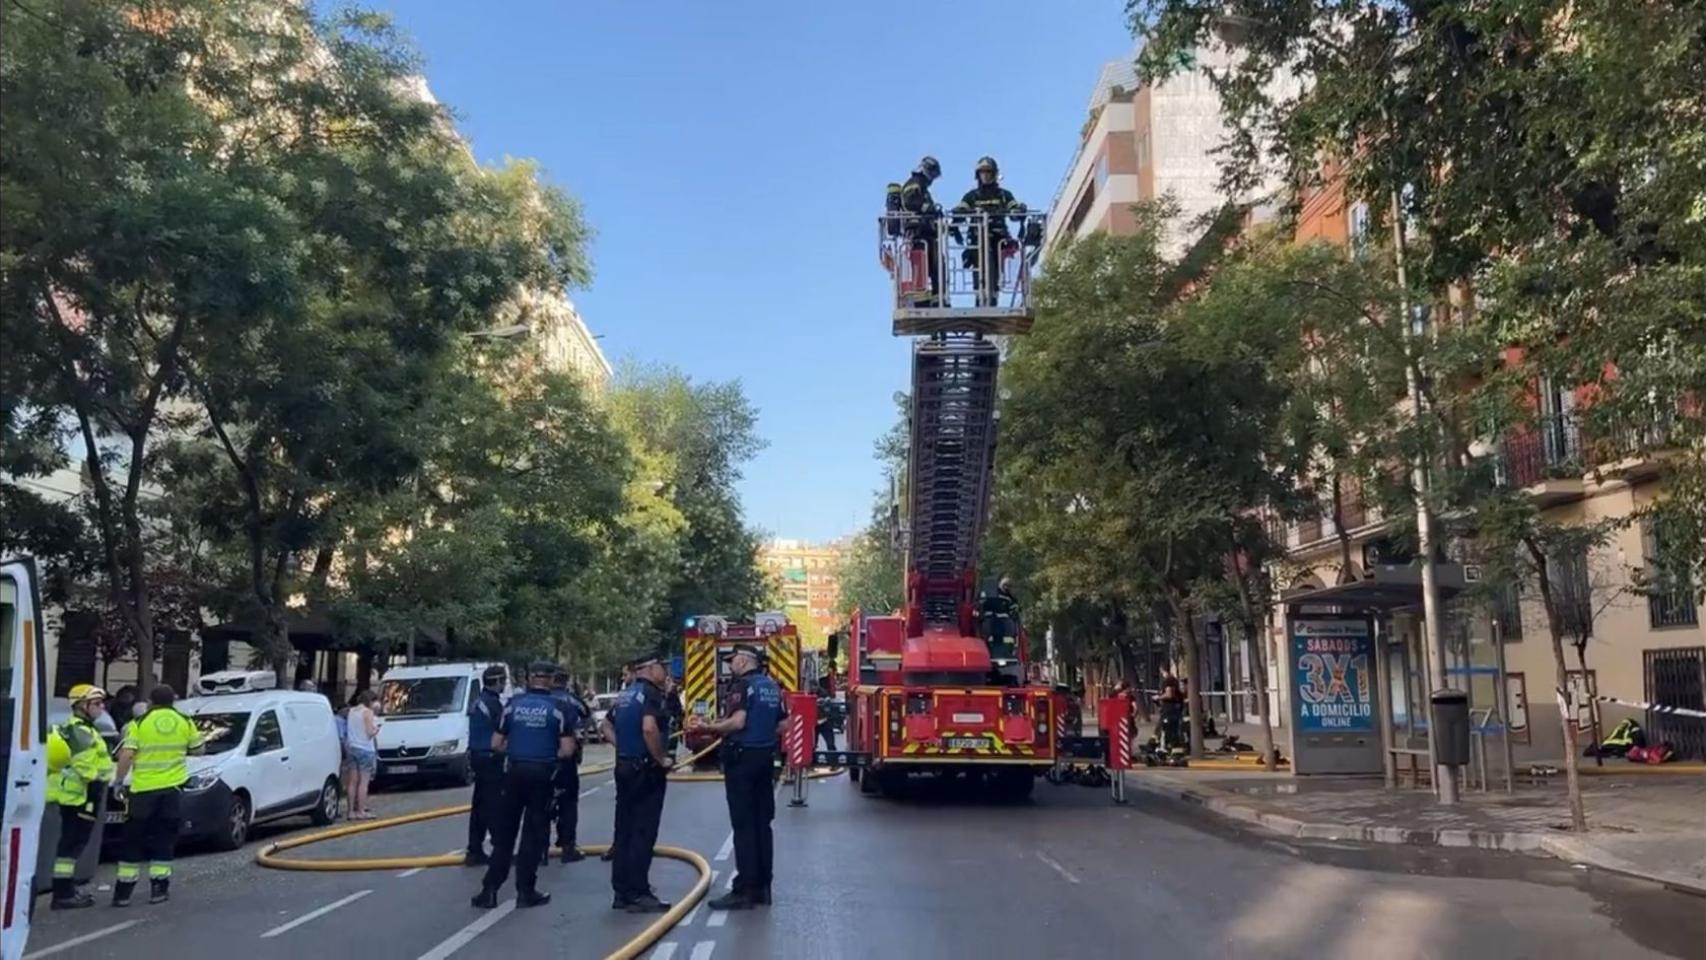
point(23, 746)
point(423, 721)
point(267, 754)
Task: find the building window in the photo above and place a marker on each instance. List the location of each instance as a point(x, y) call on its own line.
point(1359, 227)
point(1506, 608)
point(1572, 591)
point(1102, 170)
point(1670, 592)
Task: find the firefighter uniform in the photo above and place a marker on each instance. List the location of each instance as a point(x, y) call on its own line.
point(487, 765)
point(79, 769)
point(641, 782)
point(535, 734)
point(159, 740)
point(983, 247)
point(566, 780)
point(921, 227)
point(748, 758)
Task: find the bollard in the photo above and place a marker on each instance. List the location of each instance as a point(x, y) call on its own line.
point(1114, 715)
point(799, 735)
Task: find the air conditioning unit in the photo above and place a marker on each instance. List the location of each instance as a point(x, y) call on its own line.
point(1471, 573)
point(236, 681)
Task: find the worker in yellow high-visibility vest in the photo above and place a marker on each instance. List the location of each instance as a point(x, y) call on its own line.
point(78, 768)
point(153, 750)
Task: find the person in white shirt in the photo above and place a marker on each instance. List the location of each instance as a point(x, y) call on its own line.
point(363, 752)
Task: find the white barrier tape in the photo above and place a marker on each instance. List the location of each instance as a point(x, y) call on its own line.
point(1655, 707)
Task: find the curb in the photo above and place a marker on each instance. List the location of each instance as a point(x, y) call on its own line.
point(1567, 848)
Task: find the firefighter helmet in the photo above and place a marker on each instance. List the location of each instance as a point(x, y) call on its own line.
point(930, 167)
point(987, 163)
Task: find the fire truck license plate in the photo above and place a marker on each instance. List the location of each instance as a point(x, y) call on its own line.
point(967, 743)
point(968, 718)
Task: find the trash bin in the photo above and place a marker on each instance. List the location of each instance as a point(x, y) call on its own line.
point(1451, 727)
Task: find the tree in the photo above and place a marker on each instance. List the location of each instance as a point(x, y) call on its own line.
point(697, 436)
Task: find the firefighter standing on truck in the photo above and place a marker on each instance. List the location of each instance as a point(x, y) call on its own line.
point(983, 248)
point(639, 726)
point(78, 769)
point(921, 226)
point(154, 747)
point(533, 735)
point(488, 766)
point(749, 736)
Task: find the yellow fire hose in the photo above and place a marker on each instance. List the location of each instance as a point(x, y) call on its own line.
point(268, 856)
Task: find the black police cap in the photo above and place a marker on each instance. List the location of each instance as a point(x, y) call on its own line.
point(756, 653)
point(494, 672)
point(542, 668)
point(643, 660)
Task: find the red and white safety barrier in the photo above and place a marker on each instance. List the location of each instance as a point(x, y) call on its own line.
point(1654, 707)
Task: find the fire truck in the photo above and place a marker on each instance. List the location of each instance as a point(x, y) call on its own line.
point(708, 644)
point(929, 692)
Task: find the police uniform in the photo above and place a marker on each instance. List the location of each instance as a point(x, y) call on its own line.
point(533, 727)
point(749, 781)
point(566, 781)
point(160, 740)
point(79, 769)
point(640, 787)
point(488, 767)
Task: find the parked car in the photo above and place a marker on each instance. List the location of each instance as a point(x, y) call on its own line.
point(423, 729)
point(601, 704)
point(267, 755)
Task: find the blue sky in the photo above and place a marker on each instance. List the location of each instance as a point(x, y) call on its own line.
point(731, 158)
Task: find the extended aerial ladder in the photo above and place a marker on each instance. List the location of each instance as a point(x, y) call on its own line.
point(926, 694)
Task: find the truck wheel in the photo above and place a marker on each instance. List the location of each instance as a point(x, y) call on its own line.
point(891, 783)
point(868, 783)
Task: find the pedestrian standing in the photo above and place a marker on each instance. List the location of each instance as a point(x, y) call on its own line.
point(533, 735)
point(750, 734)
point(639, 726)
point(488, 768)
point(155, 746)
point(78, 770)
point(363, 746)
point(566, 781)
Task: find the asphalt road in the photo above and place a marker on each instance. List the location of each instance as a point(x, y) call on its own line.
point(933, 875)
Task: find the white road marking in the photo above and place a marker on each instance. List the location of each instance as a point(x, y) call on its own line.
point(1057, 867)
point(717, 918)
point(695, 911)
point(727, 848)
point(589, 791)
point(314, 914)
point(79, 941)
point(466, 935)
point(409, 873)
point(702, 950)
point(664, 950)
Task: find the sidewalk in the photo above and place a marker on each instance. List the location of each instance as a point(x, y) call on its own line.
point(1644, 826)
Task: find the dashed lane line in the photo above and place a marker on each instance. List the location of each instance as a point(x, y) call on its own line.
point(1057, 867)
point(691, 914)
point(79, 941)
point(284, 928)
point(702, 950)
point(727, 847)
point(717, 918)
point(466, 935)
point(664, 950)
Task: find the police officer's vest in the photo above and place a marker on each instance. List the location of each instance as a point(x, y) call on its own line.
point(533, 724)
point(483, 716)
point(86, 761)
point(627, 717)
point(162, 738)
point(763, 704)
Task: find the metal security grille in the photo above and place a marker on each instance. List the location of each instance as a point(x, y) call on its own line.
point(953, 436)
point(1677, 678)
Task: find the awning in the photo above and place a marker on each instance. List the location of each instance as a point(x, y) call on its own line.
point(1384, 587)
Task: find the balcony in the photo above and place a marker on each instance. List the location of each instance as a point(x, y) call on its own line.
point(1546, 459)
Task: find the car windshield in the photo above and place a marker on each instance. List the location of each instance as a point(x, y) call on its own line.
point(423, 695)
point(220, 732)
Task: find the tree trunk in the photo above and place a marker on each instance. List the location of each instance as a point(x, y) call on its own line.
point(1572, 778)
point(1345, 575)
point(1192, 663)
point(1593, 707)
point(1259, 679)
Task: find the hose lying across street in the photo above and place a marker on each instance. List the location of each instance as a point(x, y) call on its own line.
point(268, 856)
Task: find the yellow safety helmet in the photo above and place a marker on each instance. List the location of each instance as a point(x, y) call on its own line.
point(84, 692)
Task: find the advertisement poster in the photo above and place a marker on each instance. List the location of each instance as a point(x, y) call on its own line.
point(1332, 665)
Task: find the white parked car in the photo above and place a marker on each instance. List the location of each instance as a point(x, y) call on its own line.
point(268, 754)
point(423, 721)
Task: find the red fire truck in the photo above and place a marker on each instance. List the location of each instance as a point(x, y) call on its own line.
point(707, 647)
point(929, 691)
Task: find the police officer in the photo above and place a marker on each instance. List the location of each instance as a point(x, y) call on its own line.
point(483, 716)
point(639, 726)
point(78, 769)
point(533, 734)
point(749, 750)
point(154, 747)
point(983, 248)
point(566, 782)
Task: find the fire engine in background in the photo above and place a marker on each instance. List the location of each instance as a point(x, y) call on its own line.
point(708, 647)
point(929, 689)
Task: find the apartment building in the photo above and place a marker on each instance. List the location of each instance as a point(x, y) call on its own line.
point(810, 576)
